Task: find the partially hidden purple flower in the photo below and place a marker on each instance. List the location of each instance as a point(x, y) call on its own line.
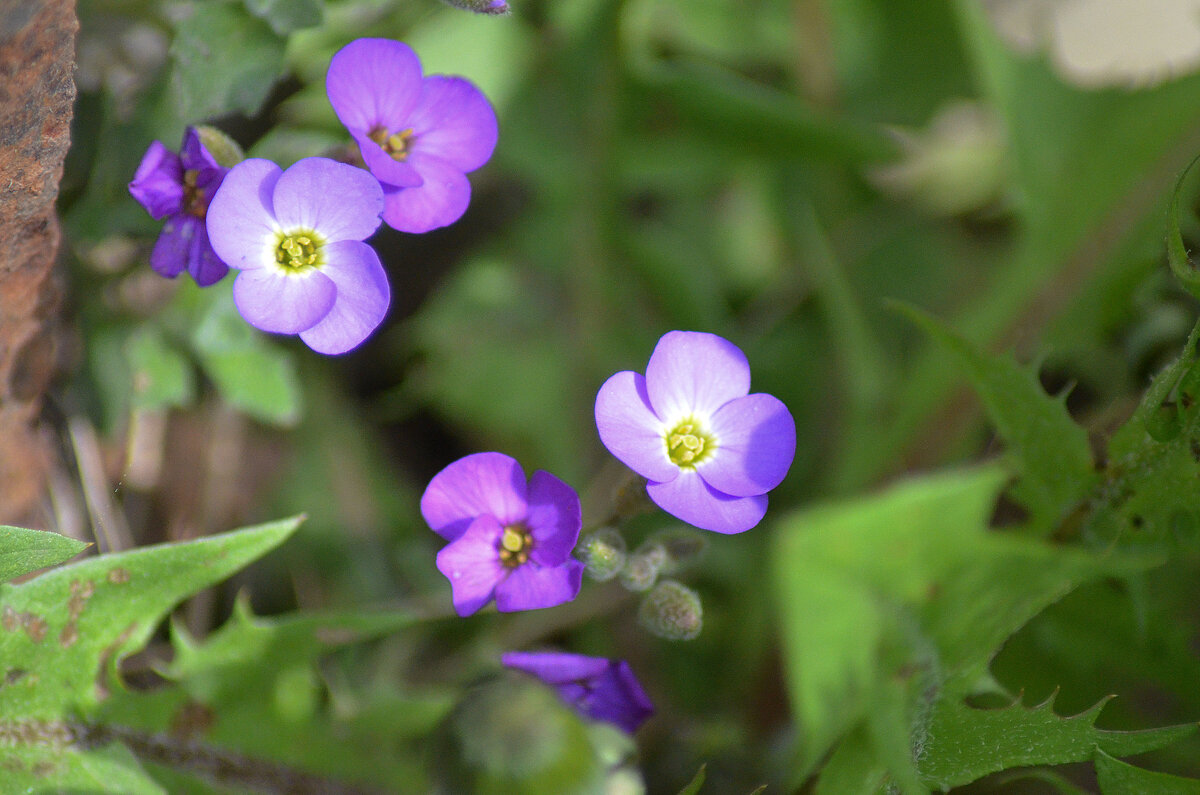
point(418, 135)
point(599, 688)
point(179, 187)
point(509, 538)
point(296, 236)
point(709, 450)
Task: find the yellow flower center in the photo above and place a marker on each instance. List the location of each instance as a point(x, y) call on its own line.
point(688, 443)
point(299, 251)
point(193, 197)
point(395, 144)
point(515, 544)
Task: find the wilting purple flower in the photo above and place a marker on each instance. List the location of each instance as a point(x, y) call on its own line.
point(418, 135)
point(709, 450)
point(599, 688)
point(508, 538)
point(296, 236)
point(179, 188)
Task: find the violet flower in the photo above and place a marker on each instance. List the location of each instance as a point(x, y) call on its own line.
point(418, 135)
point(296, 236)
point(508, 538)
point(179, 188)
point(598, 688)
point(709, 450)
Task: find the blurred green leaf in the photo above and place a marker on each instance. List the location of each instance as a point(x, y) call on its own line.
point(1177, 255)
point(693, 786)
point(48, 766)
point(1117, 778)
point(162, 376)
point(284, 16)
point(23, 551)
point(223, 60)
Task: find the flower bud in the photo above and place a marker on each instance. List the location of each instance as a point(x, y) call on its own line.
point(672, 611)
point(494, 7)
point(682, 545)
point(643, 566)
point(224, 149)
point(604, 553)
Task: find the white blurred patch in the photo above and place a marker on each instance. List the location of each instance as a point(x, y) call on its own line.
point(1096, 43)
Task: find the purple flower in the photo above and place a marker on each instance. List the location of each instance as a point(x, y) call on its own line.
point(296, 236)
point(709, 450)
point(508, 539)
point(178, 188)
point(597, 687)
point(418, 135)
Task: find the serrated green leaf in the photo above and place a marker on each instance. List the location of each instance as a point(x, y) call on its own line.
point(965, 744)
point(61, 634)
point(23, 551)
point(1049, 450)
point(284, 16)
point(223, 60)
point(162, 376)
point(1117, 778)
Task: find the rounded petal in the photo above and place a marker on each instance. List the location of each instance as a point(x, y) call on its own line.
point(472, 565)
point(158, 182)
point(617, 697)
point(479, 484)
point(454, 122)
point(630, 429)
point(532, 587)
point(689, 498)
point(554, 518)
point(272, 299)
point(338, 201)
point(384, 167)
point(202, 262)
point(241, 217)
point(756, 438)
point(440, 200)
point(693, 372)
point(170, 254)
point(194, 155)
point(373, 82)
point(362, 300)
point(553, 667)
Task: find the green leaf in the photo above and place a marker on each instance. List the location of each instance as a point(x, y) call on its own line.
point(284, 16)
point(1117, 778)
point(1048, 449)
point(693, 786)
point(23, 551)
point(965, 744)
point(46, 764)
point(62, 634)
point(1181, 264)
point(162, 376)
point(223, 61)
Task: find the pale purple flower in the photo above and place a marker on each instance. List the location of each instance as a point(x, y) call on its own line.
point(418, 135)
point(709, 450)
point(296, 236)
point(508, 538)
point(597, 687)
point(179, 187)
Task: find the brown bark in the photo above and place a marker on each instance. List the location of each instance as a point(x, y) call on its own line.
point(37, 91)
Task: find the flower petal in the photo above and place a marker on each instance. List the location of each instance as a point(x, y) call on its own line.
point(454, 122)
point(158, 182)
point(532, 587)
point(170, 254)
point(337, 201)
point(195, 156)
point(553, 667)
point(373, 82)
point(629, 428)
point(472, 564)
point(440, 200)
point(241, 218)
point(689, 498)
point(362, 300)
point(202, 262)
point(554, 518)
point(271, 299)
point(482, 483)
point(693, 372)
point(385, 168)
point(617, 697)
point(756, 440)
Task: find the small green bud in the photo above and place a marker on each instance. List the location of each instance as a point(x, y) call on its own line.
point(224, 149)
point(672, 611)
point(682, 546)
point(643, 566)
point(604, 553)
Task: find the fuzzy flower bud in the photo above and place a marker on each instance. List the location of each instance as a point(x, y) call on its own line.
point(604, 553)
point(672, 611)
point(494, 7)
point(643, 567)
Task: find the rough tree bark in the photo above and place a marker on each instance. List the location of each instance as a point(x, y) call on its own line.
point(37, 91)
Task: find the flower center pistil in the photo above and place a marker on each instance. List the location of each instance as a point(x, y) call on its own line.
point(688, 444)
point(515, 545)
point(395, 144)
point(193, 197)
point(299, 251)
